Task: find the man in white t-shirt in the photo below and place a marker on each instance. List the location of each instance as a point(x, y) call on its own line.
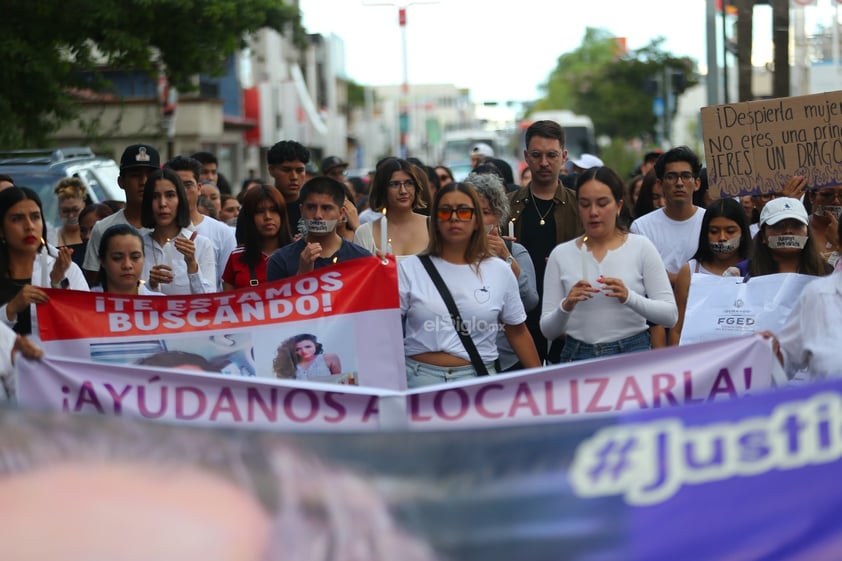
point(675, 228)
point(136, 165)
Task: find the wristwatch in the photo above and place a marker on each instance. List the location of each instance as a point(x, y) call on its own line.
point(510, 260)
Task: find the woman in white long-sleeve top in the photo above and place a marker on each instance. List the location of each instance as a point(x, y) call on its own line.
point(177, 260)
point(601, 288)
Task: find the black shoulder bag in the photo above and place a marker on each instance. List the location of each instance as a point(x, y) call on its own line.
point(458, 324)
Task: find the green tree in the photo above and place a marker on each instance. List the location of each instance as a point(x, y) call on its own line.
point(613, 88)
point(49, 49)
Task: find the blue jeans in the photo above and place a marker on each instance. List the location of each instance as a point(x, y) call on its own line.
point(575, 349)
point(419, 374)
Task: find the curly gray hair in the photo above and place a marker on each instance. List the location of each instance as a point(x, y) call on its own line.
point(491, 187)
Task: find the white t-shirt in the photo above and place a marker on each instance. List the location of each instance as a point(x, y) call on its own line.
point(91, 262)
point(484, 301)
point(811, 337)
point(603, 319)
point(224, 242)
point(675, 240)
point(202, 282)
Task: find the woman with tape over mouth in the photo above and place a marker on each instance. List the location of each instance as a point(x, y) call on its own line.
point(27, 262)
point(809, 341)
point(724, 244)
point(783, 244)
point(177, 261)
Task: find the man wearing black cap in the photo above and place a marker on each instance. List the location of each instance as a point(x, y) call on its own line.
point(136, 164)
point(334, 167)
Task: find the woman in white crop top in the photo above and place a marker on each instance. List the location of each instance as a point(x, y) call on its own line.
point(483, 287)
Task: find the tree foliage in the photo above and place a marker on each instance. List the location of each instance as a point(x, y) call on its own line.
point(48, 49)
point(613, 88)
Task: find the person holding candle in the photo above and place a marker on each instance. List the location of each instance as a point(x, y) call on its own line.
point(603, 304)
point(322, 205)
point(395, 193)
point(178, 261)
point(27, 263)
point(483, 289)
point(495, 210)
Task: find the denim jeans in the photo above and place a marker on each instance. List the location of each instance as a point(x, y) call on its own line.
point(419, 374)
point(575, 349)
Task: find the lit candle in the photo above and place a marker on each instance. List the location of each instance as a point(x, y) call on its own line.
point(45, 273)
point(512, 228)
point(384, 237)
point(389, 246)
point(585, 258)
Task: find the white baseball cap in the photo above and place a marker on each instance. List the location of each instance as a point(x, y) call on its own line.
point(483, 149)
point(587, 161)
point(781, 209)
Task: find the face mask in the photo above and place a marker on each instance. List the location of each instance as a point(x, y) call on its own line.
point(786, 242)
point(728, 246)
point(73, 221)
point(319, 226)
point(825, 210)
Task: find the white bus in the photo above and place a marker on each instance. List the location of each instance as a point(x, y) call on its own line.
point(578, 131)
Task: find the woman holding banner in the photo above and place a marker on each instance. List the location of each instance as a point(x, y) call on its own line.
point(600, 289)
point(724, 244)
point(27, 262)
point(481, 289)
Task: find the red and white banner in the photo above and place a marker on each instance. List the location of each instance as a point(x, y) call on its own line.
point(350, 312)
point(706, 372)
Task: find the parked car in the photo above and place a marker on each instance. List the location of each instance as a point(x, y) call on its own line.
point(41, 170)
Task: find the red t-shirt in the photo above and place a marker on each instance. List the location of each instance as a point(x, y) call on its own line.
point(238, 274)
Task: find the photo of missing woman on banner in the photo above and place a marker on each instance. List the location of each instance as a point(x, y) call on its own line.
point(303, 357)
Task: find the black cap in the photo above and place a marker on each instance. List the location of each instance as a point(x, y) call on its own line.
point(140, 156)
point(331, 162)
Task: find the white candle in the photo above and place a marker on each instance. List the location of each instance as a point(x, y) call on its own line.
point(584, 258)
point(512, 228)
point(384, 237)
point(45, 273)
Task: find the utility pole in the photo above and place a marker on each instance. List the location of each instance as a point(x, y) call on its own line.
point(780, 38)
point(404, 103)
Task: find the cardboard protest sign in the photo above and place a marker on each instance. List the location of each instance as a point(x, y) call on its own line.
point(757, 146)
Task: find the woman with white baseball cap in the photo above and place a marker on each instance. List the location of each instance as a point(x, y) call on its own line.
point(783, 245)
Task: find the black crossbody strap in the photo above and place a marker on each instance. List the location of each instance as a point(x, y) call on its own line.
point(458, 324)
